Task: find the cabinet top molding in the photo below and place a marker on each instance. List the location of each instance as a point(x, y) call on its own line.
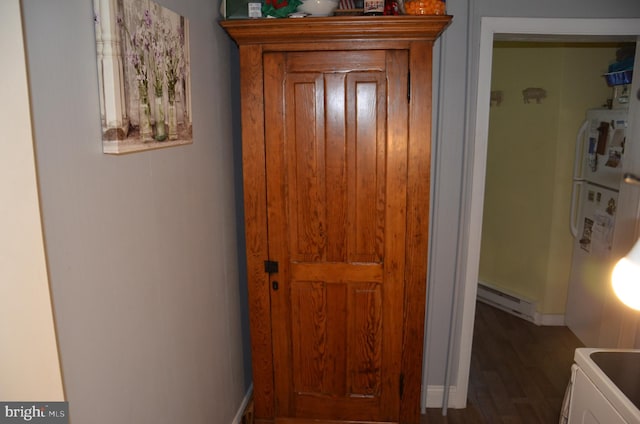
point(335, 28)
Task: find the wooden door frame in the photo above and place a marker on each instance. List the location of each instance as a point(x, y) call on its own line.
point(254, 38)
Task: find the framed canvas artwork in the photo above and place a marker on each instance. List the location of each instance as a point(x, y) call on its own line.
point(142, 52)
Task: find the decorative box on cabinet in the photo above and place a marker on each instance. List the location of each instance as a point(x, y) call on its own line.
point(336, 121)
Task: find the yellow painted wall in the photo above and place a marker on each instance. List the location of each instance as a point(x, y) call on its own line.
point(526, 243)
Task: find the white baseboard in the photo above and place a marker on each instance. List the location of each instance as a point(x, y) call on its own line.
point(238, 418)
point(510, 302)
point(435, 396)
point(549, 319)
point(516, 304)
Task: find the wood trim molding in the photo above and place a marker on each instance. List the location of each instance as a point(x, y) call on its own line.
point(255, 209)
point(336, 28)
point(418, 194)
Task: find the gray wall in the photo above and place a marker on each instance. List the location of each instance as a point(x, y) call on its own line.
point(142, 248)
point(453, 151)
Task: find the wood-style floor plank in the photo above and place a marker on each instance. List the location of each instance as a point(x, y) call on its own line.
point(518, 375)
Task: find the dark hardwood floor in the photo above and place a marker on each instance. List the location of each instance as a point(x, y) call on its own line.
point(519, 372)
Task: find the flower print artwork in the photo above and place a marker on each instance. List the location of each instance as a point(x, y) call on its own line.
point(143, 67)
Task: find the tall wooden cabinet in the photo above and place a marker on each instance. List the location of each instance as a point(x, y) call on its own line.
point(336, 127)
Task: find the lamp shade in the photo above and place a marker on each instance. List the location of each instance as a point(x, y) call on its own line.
point(626, 278)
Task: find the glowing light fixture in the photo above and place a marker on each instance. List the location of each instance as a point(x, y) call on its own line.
point(626, 274)
point(626, 278)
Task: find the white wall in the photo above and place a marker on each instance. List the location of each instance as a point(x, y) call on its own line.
point(453, 156)
point(29, 365)
point(142, 248)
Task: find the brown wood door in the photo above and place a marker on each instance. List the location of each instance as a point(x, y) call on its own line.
point(336, 163)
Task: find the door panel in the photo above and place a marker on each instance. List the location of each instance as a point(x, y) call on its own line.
point(336, 200)
point(306, 181)
point(366, 173)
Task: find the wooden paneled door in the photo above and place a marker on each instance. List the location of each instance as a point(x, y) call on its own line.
point(336, 121)
point(336, 150)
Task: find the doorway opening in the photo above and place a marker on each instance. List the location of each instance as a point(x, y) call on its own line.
point(540, 93)
point(515, 29)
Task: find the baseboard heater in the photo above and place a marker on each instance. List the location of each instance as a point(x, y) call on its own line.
point(511, 303)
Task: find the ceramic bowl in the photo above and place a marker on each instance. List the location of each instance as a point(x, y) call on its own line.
point(318, 7)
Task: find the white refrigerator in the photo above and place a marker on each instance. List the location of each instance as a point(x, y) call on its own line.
point(596, 180)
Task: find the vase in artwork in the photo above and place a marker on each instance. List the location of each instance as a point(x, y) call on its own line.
point(161, 132)
point(173, 118)
point(173, 113)
point(144, 112)
point(173, 122)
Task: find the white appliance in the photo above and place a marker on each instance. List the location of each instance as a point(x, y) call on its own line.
point(604, 387)
point(596, 181)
